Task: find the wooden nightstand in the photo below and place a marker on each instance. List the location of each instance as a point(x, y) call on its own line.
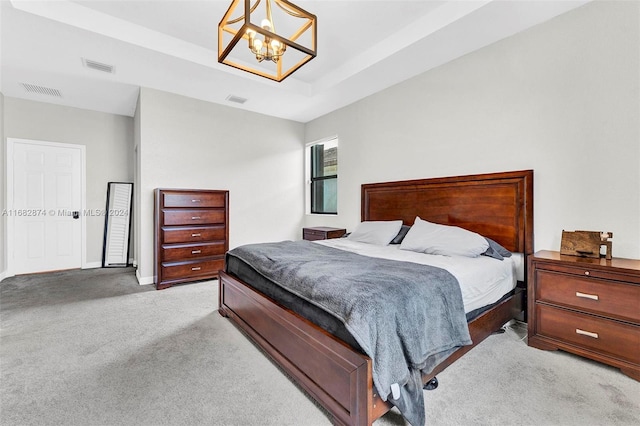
point(322, 233)
point(590, 307)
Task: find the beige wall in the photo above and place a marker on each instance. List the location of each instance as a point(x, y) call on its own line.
point(561, 98)
point(187, 143)
point(108, 140)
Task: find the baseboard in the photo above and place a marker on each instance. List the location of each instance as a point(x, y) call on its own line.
point(143, 280)
point(3, 275)
point(92, 265)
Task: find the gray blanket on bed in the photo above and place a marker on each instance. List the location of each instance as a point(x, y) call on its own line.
point(406, 317)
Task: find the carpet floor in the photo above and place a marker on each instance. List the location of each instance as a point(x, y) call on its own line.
point(93, 347)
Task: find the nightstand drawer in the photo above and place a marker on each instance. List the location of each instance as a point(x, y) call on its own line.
point(313, 235)
point(322, 233)
point(193, 217)
point(608, 298)
point(192, 251)
point(600, 335)
point(194, 199)
point(583, 268)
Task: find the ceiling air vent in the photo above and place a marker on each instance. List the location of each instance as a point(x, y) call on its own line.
point(98, 66)
point(236, 99)
point(40, 90)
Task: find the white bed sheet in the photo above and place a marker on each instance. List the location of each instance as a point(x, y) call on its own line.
point(483, 280)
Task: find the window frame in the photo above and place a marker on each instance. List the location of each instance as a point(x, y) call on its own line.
point(311, 179)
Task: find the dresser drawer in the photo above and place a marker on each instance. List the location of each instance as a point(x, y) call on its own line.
point(608, 298)
point(192, 269)
point(619, 340)
point(193, 199)
point(192, 251)
point(193, 234)
point(193, 217)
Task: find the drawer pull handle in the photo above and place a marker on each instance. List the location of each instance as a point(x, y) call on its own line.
point(196, 251)
point(586, 272)
point(196, 235)
point(195, 217)
point(587, 296)
point(587, 333)
point(196, 268)
point(195, 201)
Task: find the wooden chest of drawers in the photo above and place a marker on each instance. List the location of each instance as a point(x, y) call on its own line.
point(322, 233)
point(191, 235)
point(590, 307)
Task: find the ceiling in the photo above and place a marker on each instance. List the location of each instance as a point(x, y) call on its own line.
point(171, 45)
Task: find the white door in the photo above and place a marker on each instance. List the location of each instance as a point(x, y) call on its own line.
point(47, 206)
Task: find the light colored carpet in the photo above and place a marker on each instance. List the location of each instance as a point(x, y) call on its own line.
point(94, 348)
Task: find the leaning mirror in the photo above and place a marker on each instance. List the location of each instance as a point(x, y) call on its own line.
point(117, 224)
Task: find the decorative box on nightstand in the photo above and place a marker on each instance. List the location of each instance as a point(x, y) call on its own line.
point(322, 233)
point(587, 306)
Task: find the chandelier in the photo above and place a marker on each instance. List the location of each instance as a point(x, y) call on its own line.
point(264, 52)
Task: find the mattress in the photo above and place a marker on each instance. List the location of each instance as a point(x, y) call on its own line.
point(483, 281)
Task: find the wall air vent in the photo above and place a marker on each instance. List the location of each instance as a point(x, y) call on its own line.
point(236, 99)
point(41, 90)
point(98, 66)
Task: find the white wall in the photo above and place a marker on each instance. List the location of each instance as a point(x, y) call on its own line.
point(109, 145)
point(136, 181)
point(561, 98)
point(187, 143)
point(3, 218)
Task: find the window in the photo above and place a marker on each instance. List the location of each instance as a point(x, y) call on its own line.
point(323, 176)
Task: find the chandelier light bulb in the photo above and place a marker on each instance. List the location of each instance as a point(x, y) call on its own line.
point(266, 24)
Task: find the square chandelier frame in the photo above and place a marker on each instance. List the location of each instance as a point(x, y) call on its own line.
point(309, 22)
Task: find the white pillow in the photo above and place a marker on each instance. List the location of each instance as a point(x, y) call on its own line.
point(432, 238)
point(376, 232)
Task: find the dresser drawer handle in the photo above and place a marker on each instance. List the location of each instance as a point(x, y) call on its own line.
point(586, 272)
point(587, 333)
point(587, 296)
point(195, 201)
point(196, 251)
point(195, 217)
point(196, 235)
point(197, 268)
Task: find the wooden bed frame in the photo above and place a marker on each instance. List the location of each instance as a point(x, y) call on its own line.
point(497, 205)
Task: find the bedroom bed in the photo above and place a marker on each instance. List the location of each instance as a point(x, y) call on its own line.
point(334, 369)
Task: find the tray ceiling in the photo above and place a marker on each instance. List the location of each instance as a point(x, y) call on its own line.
point(171, 45)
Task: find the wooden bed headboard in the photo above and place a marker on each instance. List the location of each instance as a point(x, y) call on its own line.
point(496, 205)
